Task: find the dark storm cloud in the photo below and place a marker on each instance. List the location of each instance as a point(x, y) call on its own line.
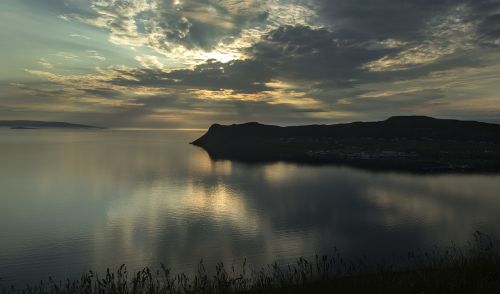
point(317, 57)
point(359, 47)
point(399, 19)
point(332, 57)
point(379, 19)
point(241, 76)
point(303, 53)
point(490, 26)
point(488, 15)
point(295, 53)
point(244, 76)
point(299, 53)
point(337, 59)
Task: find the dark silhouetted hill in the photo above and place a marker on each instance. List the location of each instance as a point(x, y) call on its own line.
point(408, 142)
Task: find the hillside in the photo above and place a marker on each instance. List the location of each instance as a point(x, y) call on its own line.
point(403, 142)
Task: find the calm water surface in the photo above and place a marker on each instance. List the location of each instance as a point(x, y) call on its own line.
point(78, 200)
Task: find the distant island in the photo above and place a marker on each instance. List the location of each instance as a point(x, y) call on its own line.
point(416, 143)
point(33, 124)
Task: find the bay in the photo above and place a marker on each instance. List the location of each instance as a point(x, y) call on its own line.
point(73, 201)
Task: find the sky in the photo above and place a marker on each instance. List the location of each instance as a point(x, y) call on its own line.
point(191, 63)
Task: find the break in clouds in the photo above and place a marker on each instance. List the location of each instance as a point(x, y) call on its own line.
point(187, 64)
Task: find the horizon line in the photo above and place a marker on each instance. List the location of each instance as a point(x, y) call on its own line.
point(158, 129)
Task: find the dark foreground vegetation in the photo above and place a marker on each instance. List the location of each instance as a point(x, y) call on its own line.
point(411, 143)
point(475, 269)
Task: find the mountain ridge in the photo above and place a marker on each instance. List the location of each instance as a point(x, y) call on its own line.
point(413, 142)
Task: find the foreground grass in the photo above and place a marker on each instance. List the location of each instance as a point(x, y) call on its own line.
point(475, 269)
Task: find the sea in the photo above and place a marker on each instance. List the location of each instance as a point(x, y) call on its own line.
point(78, 200)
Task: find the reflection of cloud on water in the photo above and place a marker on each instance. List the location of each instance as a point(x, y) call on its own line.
point(144, 198)
point(193, 219)
point(278, 173)
point(201, 164)
point(222, 204)
point(399, 209)
point(218, 204)
point(448, 207)
point(471, 187)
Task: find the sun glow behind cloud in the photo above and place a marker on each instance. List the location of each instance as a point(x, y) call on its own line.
point(283, 61)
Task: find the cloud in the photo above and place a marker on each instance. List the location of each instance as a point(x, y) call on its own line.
point(283, 60)
point(66, 55)
point(405, 20)
point(316, 55)
point(192, 30)
point(490, 26)
point(288, 53)
point(202, 24)
point(44, 63)
point(150, 62)
point(241, 76)
point(63, 17)
point(80, 36)
point(167, 25)
point(95, 55)
point(425, 31)
point(318, 58)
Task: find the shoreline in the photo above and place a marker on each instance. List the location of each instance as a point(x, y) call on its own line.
point(417, 144)
point(475, 269)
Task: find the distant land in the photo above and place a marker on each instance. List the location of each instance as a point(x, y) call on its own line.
point(414, 143)
point(33, 124)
